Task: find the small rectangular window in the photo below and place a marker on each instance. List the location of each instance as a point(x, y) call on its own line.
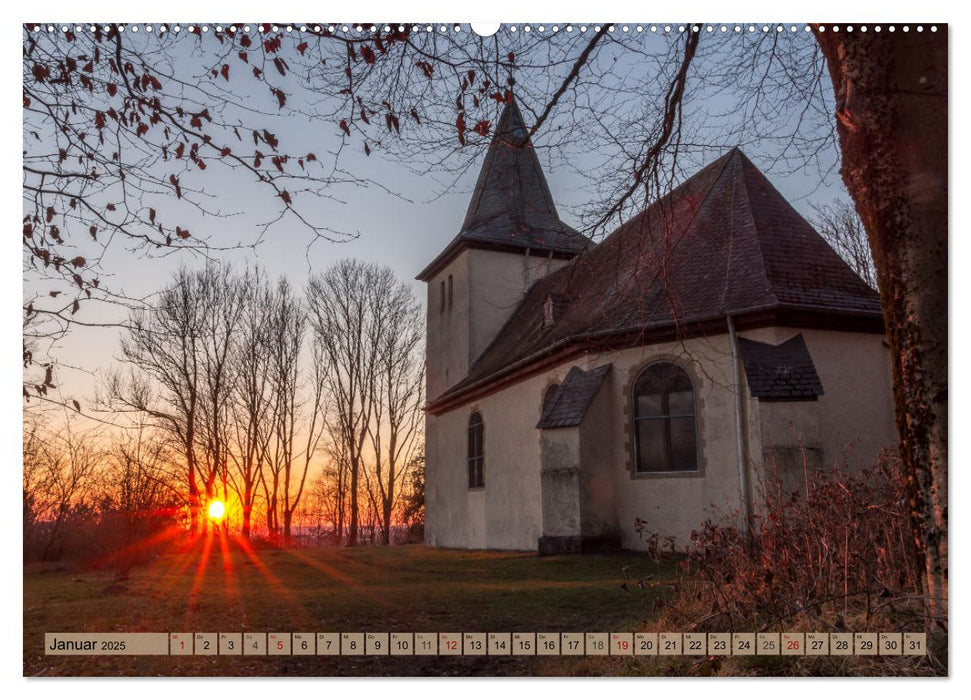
point(449, 292)
point(476, 459)
point(442, 306)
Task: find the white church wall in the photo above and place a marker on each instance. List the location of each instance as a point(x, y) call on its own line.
point(498, 282)
point(511, 501)
point(598, 456)
point(487, 286)
point(561, 482)
point(856, 417)
point(447, 329)
point(853, 419)
point(673, 504)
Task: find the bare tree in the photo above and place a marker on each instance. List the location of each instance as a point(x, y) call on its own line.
point(37, 497)
point(295, 417)
point(164, 378)
point(142, 496)
point(123, 133)
point(69, 466)
point(226, 351)
point(253, 399)
point(142, 479)
point(396, 330)
point(315, 514)
point(338, 303)
point(842, 228)
point(221, 299)
point(180, 374)
point(368, 329)
point(332, 482)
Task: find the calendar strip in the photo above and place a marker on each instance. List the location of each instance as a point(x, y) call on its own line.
point(486, 644)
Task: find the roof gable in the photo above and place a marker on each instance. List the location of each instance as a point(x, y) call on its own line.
point(573, 398)
point(780, 372)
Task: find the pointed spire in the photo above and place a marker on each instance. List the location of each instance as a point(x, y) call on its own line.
point(512, 194)
point(511, 206)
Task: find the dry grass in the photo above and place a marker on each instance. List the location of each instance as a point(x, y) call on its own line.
point(407, 588)
point(837, 556)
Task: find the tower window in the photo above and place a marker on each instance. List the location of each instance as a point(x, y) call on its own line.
point(476, 458)
point(449, 292)
point(442, 306)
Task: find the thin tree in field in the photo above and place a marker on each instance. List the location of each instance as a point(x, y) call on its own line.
point(162, 349)
point(296, 420)
point(180, 374)
point(397, 331)
point(35, 494)
point(339, 308)
point(222, 306)
point(69, 472)
point(332, 481)
point(141, 491)
point(252, 404)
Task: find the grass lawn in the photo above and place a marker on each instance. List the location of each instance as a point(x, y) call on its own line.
point(209, 587)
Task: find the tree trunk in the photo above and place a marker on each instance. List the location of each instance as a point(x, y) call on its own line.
point(247, 511)
point(193, 507)
point(891, 94)
point(386, 504)
point(352, 530)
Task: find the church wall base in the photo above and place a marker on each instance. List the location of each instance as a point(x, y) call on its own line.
point(552, 544)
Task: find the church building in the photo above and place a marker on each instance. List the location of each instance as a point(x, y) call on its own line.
point(578, 392)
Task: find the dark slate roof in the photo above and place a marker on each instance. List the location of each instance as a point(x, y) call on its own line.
point(573, 398)
point(783, 371)
point(511, 205)
point(725, 242)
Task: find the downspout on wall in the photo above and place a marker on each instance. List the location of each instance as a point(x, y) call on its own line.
point(740, 456)
point(526, 272)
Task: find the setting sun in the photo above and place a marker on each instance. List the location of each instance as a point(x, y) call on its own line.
point(217, 509)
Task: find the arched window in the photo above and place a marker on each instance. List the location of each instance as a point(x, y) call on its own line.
point(442, 307)
point(449, 292)
point(665, 438)
point(476, 475)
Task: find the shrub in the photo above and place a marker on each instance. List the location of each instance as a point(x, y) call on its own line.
point(837, 555)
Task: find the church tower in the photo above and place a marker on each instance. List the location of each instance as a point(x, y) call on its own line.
point(511, 236)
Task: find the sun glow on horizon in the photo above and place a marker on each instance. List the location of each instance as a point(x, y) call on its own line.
point(217, 509)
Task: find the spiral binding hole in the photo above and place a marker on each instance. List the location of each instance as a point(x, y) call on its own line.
point(358, 29)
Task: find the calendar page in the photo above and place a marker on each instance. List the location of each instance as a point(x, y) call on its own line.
point(560, 348)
